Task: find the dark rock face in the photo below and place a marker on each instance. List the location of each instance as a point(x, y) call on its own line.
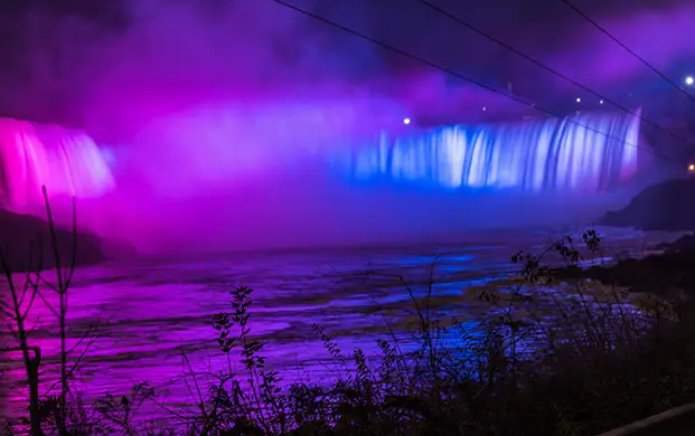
point(26, 244)
point(683, 244)
point(668, 206)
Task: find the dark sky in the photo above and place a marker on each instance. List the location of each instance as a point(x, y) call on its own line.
point(108, 65)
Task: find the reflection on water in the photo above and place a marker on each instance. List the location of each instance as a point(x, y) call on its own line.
point(149, 312)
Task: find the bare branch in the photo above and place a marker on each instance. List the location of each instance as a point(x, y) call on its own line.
point(27, 282)
point(30, 304)
point(73, 260)
point(89, 334)
point(48, 304)
point(50, 286)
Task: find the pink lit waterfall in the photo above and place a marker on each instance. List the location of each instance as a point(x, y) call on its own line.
point(68, 163)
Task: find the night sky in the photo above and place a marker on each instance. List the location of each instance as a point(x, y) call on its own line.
point(109, 66)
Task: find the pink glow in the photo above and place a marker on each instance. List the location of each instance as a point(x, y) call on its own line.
point(217, 123)
point(31, 156)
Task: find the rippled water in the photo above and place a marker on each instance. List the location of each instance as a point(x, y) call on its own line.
point(147, 313)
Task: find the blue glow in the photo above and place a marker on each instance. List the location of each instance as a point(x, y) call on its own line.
point(554, 154)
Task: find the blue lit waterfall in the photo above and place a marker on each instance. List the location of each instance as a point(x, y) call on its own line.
point(586, 153)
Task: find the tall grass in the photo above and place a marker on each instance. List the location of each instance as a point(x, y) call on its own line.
point(541, 361)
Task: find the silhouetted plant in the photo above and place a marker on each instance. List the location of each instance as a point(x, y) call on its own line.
point(118, 410)
point(50, 412)
point(539, 361)
point(17, 310)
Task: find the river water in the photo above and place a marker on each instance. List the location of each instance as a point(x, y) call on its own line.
point(150, 318)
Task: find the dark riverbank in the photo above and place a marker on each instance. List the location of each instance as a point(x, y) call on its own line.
point(603, 368)
point(668, 206)
point(26, 243)
point(669, 273)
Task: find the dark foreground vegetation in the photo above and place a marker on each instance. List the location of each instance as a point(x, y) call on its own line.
point(670, 274)
point(590, 358)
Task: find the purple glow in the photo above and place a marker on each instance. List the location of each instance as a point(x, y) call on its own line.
point(593, 56)
point(227, 140)
point(31, 156)
point(219, 125)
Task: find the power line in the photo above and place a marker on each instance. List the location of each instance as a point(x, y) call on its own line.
point(461, 76)
point(627, 49)
point(545, 67)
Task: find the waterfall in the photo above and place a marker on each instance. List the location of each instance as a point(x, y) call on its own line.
point(585, 153)
point(31, 155)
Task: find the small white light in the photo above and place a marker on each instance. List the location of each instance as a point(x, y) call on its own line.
point(406, 121)
point(600, 102)
point(484, 108)
point(579, 99)
point(691, 168)
point(690, 80)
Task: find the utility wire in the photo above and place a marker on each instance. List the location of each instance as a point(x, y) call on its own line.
point(463, 77)
point(628, 49)
point(547, 68)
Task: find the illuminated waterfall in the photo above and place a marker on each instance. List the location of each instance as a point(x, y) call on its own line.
point(589, 153)
point(66, 162)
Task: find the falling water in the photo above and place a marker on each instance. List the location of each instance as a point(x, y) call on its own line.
point(586, 153)
point(66, 162)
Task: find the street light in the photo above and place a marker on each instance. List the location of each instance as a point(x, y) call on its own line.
point(690, 80)
point(406, 121)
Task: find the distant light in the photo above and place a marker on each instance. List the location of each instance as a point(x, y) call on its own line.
point(484, 108)
point(690, 80)
point(600, 102)
point(406, 121)
point(579, 99)
point(691, 168)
